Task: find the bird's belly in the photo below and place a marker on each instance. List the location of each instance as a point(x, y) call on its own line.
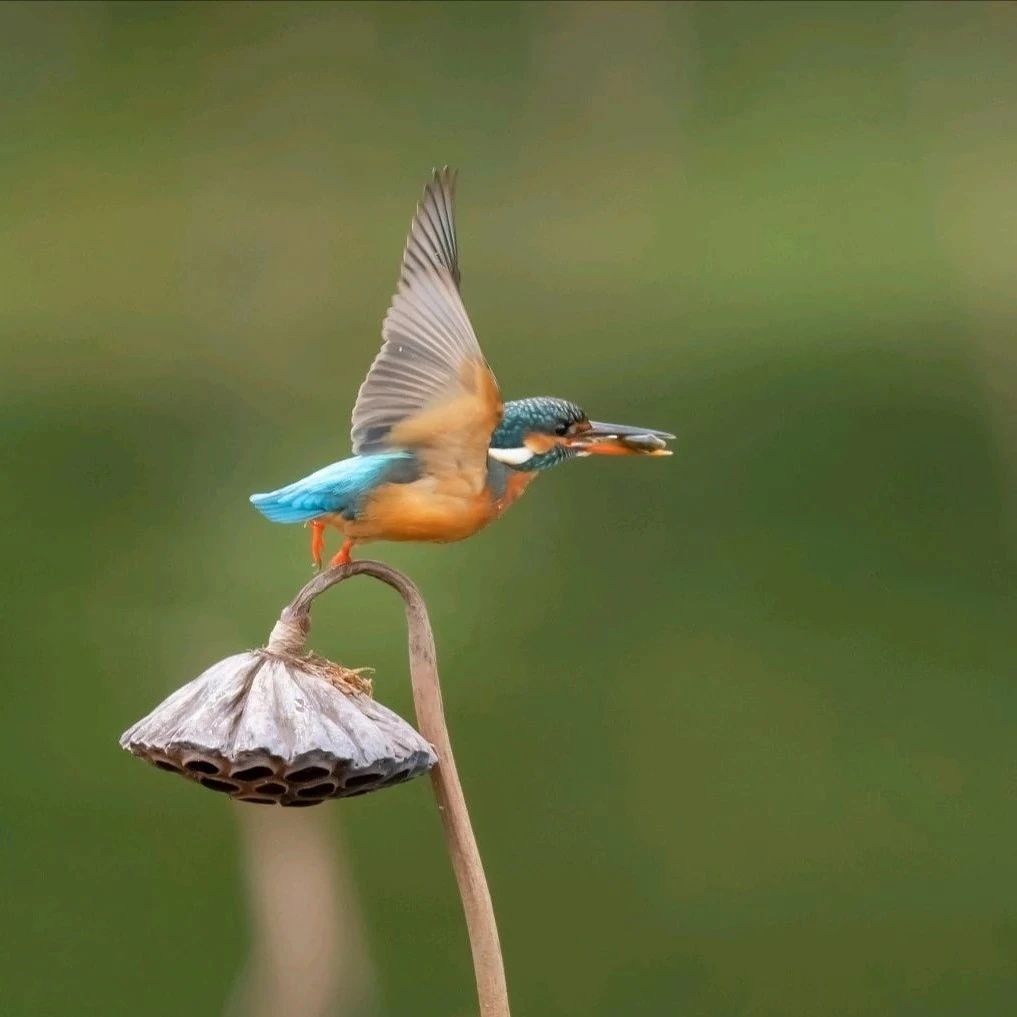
point(422, 511)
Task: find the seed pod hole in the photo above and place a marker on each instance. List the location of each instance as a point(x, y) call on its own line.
point(219, 785)
point(271, 789)
point(316, 791)
point(303, 775)
point(252, 773)
point(362, 779)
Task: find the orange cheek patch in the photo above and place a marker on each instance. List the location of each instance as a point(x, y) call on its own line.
point(538, 443)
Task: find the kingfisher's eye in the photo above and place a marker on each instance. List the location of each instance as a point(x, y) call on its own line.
point(562, 427)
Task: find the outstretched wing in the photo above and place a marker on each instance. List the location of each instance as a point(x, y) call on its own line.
point(430, 389)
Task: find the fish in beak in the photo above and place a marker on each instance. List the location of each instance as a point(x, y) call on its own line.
point(621, 440)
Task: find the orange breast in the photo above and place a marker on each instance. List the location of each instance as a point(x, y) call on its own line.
point(432, 509)
point(424, 510)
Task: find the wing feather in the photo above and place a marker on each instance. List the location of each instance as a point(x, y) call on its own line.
point(429, 387)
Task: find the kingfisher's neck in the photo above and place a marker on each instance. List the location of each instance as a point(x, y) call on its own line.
point(505, 484)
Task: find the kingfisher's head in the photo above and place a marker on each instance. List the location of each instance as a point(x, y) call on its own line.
point(536, 434)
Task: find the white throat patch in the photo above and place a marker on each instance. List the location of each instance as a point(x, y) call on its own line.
point(511, 456)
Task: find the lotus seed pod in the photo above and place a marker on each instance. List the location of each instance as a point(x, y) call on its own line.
point(278, 726)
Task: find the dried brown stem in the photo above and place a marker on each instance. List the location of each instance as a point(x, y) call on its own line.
point(462, 845)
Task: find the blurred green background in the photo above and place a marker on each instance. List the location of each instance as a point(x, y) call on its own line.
point(736, 728)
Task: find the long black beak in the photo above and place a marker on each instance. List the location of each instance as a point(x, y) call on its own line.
point(622, 440)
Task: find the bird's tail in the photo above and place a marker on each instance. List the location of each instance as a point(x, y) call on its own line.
point(334, 488)
point(280, 507)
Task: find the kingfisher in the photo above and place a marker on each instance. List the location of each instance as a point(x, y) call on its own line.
point(437, 455)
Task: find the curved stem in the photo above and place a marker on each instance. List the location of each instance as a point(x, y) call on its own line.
point(462, 845)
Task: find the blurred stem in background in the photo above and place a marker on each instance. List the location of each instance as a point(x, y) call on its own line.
point(308, 956)
point(973, 196)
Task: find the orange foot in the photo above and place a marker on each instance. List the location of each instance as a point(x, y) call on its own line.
point(317, 542)
point(343, 557)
